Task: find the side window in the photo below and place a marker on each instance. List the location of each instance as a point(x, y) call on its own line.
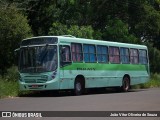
point(89, 53)
point(114, 56)
point(143, 57)
point(124, 52)
point(77, 55)
point(65, 53)
point(102, 54)
point(134, 56)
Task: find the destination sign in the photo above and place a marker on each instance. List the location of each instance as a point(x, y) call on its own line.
point(39, 41)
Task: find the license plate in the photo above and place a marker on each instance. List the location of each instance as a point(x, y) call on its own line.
point(34, 86)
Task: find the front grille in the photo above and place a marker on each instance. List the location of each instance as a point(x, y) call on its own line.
point(38, 79)
point(41, 80)
point(30, 80)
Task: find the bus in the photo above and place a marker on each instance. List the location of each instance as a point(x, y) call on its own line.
point(70, 63)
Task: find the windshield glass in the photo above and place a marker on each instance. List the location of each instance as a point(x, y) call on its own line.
point(38, 59)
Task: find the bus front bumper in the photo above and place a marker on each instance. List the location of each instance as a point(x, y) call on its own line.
point(50, 85)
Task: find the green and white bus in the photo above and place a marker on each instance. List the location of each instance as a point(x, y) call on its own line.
point(70, 63)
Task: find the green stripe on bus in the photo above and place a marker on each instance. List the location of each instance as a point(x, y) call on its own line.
point(98, 66)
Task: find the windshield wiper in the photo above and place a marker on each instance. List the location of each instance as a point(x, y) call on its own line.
point(45, 54)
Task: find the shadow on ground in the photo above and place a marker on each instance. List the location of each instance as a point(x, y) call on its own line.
point(70, 93)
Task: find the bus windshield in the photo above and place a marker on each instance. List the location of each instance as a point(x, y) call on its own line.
point(38, 59)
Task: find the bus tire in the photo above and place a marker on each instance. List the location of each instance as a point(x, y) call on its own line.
point(125, 84)
point(78, 87)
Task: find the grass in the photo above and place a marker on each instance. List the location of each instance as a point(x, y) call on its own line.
point(153, 82)
point(8, 88)
point(8, 84)
point(11, 89)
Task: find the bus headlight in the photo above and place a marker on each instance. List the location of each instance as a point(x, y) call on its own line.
point(54, 74)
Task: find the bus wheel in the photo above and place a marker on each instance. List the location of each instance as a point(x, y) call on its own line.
point(125, 84)
point(78, 87)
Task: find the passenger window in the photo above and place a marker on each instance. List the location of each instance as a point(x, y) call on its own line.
point(114, 56)
point(134, 56)
point(143, 57)
point(89, 53)
point(77, 55)
point(102, 54)
point(124, 52)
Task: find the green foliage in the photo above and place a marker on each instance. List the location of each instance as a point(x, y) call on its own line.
point(154, 57)
point(61, 29)
point(8, 88)
point(42, 14)
point(153, 82)
point(116, 30)
point(11, 89)
point(14, 27)
point(8, 84)
point(149, 24)
point(12, 74)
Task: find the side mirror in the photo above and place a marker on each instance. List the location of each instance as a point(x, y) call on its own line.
point(16, 51)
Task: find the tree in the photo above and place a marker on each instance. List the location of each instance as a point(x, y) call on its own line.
point(116, 30)
point(154, 57)
point(42, 14)
point(149, 25)
point(61, 29)
point(13, 28)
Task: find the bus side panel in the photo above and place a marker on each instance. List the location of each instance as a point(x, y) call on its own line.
point(103, 75)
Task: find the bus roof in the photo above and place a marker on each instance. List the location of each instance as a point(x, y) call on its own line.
point(72, 39)
point(99, 42)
